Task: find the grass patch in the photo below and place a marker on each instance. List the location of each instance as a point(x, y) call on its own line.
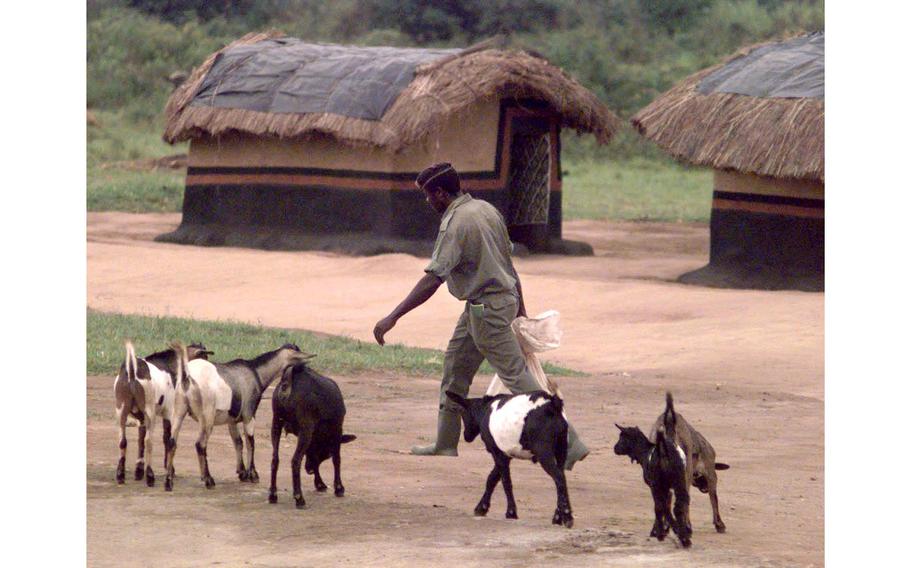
point(230, 340)
point(118, 138)
point(636, 189)
point(159, 191)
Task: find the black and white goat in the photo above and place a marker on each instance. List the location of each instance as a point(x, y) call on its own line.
point(524, 426)
point(678, 457)
point(227, 393)
point(310, 406)
point(144, 389)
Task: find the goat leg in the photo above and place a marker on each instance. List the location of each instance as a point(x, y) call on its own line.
point(563, 513)
point(511, 509)
point(149, 474)
point(234, 431)
point(302, 443)
point(121, 464)
point(318, 483)
point(140, 461)
point(171, 450)
point(492, 480)
point(661, 496)
point(336, 465)
point(276, 441)
point(249, 428)
point(719, 525)
point(202, 454)
point(682, 526)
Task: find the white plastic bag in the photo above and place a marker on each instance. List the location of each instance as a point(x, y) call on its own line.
point(537, 334)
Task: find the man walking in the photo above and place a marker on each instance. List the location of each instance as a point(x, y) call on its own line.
point(473, 257)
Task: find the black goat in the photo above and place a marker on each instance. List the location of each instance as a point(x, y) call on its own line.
point(524, 426)
point(311, 407)
point(678, 457)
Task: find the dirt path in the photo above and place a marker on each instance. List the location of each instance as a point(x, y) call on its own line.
point(746, 368)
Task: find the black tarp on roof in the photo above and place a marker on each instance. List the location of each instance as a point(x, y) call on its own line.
point(790, 69)
point(286, 75)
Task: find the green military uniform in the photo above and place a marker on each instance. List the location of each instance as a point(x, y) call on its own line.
point(473, 256)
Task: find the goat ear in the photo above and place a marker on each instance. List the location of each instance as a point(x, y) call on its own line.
point(457, 399)
point(345, 438)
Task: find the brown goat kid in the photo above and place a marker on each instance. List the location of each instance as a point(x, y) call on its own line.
point(674, 458)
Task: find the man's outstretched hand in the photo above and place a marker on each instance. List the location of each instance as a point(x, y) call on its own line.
point(382, 327)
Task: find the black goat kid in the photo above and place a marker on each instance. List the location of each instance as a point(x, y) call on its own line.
point(678, 458)
point(664, 470)
point(524, 426)
point(311, 407)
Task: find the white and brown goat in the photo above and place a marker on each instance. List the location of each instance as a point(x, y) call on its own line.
point(227, 393)
point(144, 390)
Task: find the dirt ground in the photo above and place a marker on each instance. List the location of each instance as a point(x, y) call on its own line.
point(746, 369)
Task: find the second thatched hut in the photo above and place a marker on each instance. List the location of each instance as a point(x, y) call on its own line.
point(758, 119)
point(299, 145)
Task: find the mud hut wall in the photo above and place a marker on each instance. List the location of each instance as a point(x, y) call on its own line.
point(315, 185)
point(768, 223)
point(319, 185)
point(471, 141)
point(478, 142)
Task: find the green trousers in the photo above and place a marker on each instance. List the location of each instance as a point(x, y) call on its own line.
point(484, 332)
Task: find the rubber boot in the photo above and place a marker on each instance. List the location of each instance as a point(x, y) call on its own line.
point(448, 428)
point(577, 449)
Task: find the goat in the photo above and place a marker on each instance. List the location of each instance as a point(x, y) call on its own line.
point(144, 390)
point(310, 406)
point(226, 393)
point(678, 457)
point(524, 426)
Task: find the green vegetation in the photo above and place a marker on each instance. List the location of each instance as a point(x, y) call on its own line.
point(230, 340)
point(636, 190)
point(626, 51)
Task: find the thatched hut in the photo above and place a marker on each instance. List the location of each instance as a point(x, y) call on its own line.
point(758, 119)
point(297, 145)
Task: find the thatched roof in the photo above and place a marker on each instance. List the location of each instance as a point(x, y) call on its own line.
point(439, 89)
point(771, 136)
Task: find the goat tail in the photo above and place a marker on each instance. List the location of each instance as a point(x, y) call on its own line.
point(130, 361)
point(556, 405)
point(721, 466)
point(670, 417)
point(183, 376)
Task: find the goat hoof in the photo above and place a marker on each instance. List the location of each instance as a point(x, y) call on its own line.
point(209, 483)
point(300, 503)
point(254, 477)
point(685, 542)
point(140, 472)
point(242, 475)
point(481, 510)
point(339, 491)
point(720, 527)
point(511, 515)
point(320, 487)
point(273, 498)
point(568, 523)
point(168, 485)
point(150, 478)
